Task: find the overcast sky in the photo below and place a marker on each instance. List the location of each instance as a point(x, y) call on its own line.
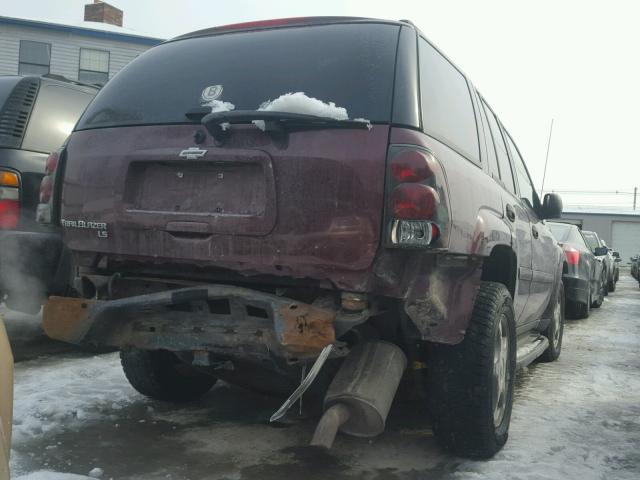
point(575, 61)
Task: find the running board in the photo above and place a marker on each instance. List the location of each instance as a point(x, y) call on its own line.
point(532, 347)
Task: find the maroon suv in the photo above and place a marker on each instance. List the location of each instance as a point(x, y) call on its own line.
point(254, 201)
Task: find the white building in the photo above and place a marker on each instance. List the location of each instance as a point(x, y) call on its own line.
point(91, 53)
point(620, 229)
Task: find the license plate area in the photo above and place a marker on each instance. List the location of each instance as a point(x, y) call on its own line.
point(229, 193)
point(212, 188)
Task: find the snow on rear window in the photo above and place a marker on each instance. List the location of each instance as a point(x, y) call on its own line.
point(298, 102)
point(219, 106)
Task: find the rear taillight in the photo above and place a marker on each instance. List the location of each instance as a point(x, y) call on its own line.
point(411, 166)
point(52, 163)
point(276, 22)
point(414, 201)
point(43, 212)
point(572, 255)
point(46, 189)
point(9, 199)
point(417, 213)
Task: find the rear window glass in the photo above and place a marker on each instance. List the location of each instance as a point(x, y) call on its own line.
point(568, 234)
point(561, 232)
point(591, 239)
point(351, 65)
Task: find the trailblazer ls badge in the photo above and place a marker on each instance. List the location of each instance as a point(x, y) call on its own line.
point(100, 227)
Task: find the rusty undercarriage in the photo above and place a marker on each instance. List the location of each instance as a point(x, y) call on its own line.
point(225, 321)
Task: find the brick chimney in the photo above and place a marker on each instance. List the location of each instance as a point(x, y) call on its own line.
point(102, 12)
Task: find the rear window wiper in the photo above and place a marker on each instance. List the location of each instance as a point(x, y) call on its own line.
point(218, 123)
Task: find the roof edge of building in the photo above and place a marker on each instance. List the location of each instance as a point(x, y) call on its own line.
point(610, 213)
point(84, 31)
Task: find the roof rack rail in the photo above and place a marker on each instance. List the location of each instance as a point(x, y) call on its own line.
point(62, 78)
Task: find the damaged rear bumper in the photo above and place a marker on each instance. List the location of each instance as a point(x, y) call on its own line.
point(227, 321)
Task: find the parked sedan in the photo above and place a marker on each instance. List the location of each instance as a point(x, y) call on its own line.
point(584, 282)
point(6, 400)
point(608, 260)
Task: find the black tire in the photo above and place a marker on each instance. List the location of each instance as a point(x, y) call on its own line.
point(579, 310)
point(161, 375)
point(612, 285)
point(555, 330)
point(462, 382)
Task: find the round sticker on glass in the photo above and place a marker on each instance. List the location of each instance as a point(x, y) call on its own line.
point(211, 93)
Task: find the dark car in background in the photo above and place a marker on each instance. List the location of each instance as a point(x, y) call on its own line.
point(608, 260)
point(616, 263)
point(583, 274)
point(245, 202)
point(36, 115)
point(635, 264)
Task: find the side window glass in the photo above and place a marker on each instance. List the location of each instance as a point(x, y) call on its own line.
point(527, 192)
point(501, 151)
point(492, 160)
point(447, 110)
point(579, 239)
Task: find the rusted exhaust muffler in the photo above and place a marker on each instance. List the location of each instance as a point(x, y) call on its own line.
point(361, 393)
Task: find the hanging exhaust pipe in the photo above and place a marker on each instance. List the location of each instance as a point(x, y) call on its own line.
point(361, 393)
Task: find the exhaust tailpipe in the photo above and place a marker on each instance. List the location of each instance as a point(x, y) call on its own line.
point(361, 393)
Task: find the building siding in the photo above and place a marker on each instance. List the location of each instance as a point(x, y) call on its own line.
point(65, 49)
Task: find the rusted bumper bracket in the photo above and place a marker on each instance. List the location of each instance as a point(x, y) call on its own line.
point(225, 320)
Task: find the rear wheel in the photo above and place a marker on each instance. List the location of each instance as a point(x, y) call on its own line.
point(161, 375)
point(471, 384)
point(612, 284)
point(579, 310)
point(555, 330)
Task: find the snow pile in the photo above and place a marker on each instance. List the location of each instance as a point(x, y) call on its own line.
point(298, 102)
point(54, 394)
point(219, 106)
point(49, 475)
point(96, 472)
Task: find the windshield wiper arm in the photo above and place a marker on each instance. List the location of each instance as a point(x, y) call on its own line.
point(197, 114)
point(276, 121)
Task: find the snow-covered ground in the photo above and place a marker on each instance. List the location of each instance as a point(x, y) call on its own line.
point(578, 418)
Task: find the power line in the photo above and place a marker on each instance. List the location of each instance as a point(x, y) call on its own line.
point(591, 192)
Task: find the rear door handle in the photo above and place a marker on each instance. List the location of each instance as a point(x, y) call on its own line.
point(534, 231)
point(511, 213)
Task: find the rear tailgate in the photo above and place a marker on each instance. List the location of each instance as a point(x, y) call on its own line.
point(248, 205)
point(306, 203)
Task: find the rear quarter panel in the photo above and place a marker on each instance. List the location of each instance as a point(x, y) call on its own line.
point(440, 288)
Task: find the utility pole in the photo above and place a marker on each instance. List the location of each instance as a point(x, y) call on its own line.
point(546, 161)
point(635, 196)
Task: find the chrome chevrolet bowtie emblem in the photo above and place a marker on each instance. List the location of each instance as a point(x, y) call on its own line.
point(192, 153)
